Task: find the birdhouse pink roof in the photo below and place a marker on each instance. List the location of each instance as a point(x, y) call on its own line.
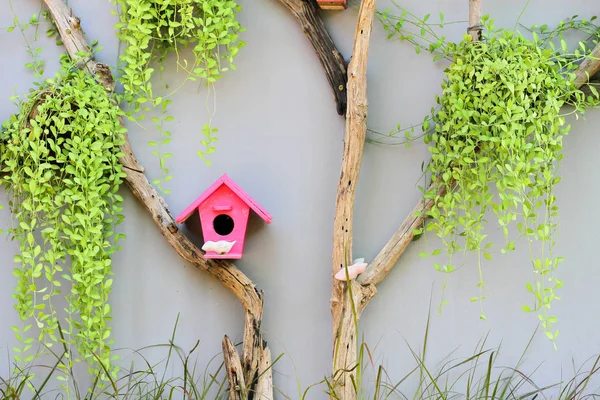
point(225, 180)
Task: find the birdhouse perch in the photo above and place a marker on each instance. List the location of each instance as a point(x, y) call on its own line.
point(333, 4)
point(224, 209)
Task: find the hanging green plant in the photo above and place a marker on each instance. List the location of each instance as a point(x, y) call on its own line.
point(496, 140)
point(496, 145)
point(151, 30)
point(61, 174)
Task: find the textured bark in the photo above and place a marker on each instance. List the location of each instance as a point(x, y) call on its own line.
point(306, 12)
point(265, 374)
point(250, 297)
point(235, 374)
point(475, 19)
point(69, 28)
point(345, 356)
point(346, 309)
point(588, 68)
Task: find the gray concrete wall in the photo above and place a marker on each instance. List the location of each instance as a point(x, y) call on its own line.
point(281, 139)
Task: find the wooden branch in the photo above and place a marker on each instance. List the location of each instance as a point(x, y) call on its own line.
point(235, 374)
point(232, 278)
point(69, 28)
point(588, 68)
point(356, 127)
point(396, 246)
point(345, 343)
point(342, 304)
point(475, 19)
point(265, 374)
point(306, 12)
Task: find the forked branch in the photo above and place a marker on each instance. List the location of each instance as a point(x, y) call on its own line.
point(346, 308)
point(307, 14)
point(235, 374)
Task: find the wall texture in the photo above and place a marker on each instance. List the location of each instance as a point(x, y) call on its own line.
point(281, 140)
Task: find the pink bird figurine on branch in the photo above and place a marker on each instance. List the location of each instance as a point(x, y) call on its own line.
point(357, 268)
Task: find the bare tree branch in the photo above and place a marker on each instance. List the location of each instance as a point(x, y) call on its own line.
point(307, 14)
point(346, 308)
point(475, 19)
point(396, 246)
point(265, 375)
point(235, 374)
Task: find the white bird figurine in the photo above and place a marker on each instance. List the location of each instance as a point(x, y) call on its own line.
point(358, 267)
point(220, 247)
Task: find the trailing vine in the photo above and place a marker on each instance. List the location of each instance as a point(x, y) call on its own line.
point(545, 36)
point(151, 31)
point(60, 168)
point(495, 140)
point(61, 174)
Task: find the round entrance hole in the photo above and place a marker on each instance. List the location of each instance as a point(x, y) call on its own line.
point(223, 224)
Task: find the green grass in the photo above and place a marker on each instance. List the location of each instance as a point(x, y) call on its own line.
point(143, 380)
point(478, 376)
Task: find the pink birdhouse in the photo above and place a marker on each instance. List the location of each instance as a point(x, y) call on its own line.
point(224, 209)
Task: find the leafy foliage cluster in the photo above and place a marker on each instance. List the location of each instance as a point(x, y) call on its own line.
point(495, 139)
point(499, 125)
point(425, 35)
point(61, 173)
point(152, 30)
